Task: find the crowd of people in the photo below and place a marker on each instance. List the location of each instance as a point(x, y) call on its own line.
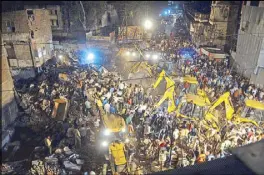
point(155, 135)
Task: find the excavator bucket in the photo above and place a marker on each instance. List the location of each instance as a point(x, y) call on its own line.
point(60, 109)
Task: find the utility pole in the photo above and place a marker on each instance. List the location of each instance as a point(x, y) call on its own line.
point(126, 18)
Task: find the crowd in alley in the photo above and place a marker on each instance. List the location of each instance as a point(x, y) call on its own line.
point(158, 139)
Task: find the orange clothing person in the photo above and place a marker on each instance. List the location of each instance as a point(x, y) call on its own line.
point(201, 158)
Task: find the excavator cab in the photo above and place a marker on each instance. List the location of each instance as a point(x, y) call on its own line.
point(252, 112)
point(191, 107)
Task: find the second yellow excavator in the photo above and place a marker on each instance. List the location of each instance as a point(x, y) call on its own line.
point(229, 110)
point(169, 93)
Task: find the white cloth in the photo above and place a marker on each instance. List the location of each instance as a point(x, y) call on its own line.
point(108, 95)
point(147, 129)
point(96, 123)
point(107, 107)
point(121, 86)
point(141, 108)
point(176, 134)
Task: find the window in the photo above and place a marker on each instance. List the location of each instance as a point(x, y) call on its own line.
point(54, 23)
point(32, 34)
point(50, 12)
point(55, 11)
point(254, 3)
point(10, 26)
point(245, 3)
point(30, 12)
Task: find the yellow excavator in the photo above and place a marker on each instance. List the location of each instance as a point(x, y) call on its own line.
point(143, 65)
point(113, 123)
point(230, 112)
point(251, 112)
point(169, 93)
point(170, 87)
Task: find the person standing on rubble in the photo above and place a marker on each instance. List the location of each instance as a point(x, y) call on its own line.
point(48, 142)
point(77, 138)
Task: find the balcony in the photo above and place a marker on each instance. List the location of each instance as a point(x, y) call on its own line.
point(199, 17)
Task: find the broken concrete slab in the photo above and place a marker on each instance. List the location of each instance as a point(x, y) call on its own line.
point(71, 166)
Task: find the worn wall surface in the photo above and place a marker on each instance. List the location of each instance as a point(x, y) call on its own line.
point(18, 18)
point(250, 42)
point(42, 41)
point(8, 104)
point(223, 18)
point(32, 38)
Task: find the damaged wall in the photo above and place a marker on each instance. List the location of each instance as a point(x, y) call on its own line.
point(8, 106)
point(28, 33)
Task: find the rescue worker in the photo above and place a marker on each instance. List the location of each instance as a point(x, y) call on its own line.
point(117, 153)
point(77, 138)
point(48, 142)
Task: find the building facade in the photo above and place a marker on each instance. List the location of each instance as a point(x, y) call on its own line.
point(198, 25)
point(8, 104)
point(223, 20)
point(249, 55)
point(27, 37)
point(218, 27)
point(54, 12)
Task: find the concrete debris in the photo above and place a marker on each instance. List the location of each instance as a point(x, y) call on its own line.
point(6, 169)
point(79, 162)
point(71, 166)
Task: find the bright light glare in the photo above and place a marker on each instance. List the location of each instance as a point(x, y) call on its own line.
point(155, 57)
point(90, 56)
point(60, 56)
point(147, 55)
point(107, 132)
point(127, 140)
point(168, 11)
point(133, 54)
point(104, 143)
point(123, 130)
point(127, 53)
point(148, 24)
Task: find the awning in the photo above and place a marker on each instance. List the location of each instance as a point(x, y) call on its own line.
point(213, 53)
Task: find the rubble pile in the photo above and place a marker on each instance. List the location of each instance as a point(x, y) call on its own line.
point(61, 162)
point(39, 111)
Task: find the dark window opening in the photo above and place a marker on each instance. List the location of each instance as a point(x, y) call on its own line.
point(10, 52)
point(32, 34)
point(8, 23)
point(55, 12)
point(50, 12)
point(57, 23)
point(254, 3)
point(108, 17)
point(30, 12)
point(245, 3)
point(13, 29)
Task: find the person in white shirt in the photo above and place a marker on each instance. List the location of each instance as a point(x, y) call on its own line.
point(121, 85)
point(107, 108)
point(176, 134)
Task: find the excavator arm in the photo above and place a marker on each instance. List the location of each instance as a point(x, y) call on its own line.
point(161, 76)
point(169, 94)
point(228, 105)
point(141, 66)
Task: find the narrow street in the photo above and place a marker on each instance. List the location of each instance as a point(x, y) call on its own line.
point(123, 89)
